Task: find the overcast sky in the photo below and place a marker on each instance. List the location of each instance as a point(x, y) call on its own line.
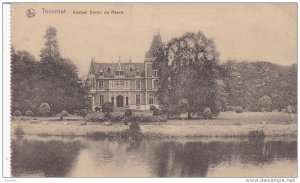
point(242, 31)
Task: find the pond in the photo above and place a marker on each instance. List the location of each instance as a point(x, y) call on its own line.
point(34, 156)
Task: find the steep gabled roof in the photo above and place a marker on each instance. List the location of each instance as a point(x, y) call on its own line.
point(110, 68)
point(156, 42)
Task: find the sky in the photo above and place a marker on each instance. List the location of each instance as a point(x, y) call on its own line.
point(241, 31)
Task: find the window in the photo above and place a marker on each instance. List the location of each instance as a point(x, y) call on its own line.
point(119, 84)
point(113, 100)
point(151, 101)
point(100, 85)
point(137, 84)
point(127, 101)
point(101, 99)
point(119, 73)
point(92, 84)
point(155, 84)
point(137, 73)
point(155, 72)
point(138, 100)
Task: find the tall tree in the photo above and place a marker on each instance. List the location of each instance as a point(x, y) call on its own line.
point(189, 70)
point(51, 49)
point(64, 89)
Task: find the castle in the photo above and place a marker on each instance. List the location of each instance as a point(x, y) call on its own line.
point(125, 85)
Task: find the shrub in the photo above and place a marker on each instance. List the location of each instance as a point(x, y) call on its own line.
point(207, 114)
point(25, 118)
point(97, 109)
point(107, 108)
point(163, 119)
point(265, 103)
point(83, 112)
point(230, 108)
point(238, 109)
point(97, 117)
point(152, 108)
point(156, 112)
point(64, 113)
point(135, 131)
point(44, 109)
point(117, 118)
point(17, 113)
point(128, 112)
point(290, 109)
point(29, 113)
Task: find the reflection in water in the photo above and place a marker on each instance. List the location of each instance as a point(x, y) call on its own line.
point(108, 158)
point(47, 158)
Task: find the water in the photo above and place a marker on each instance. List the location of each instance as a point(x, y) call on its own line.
point(80, 157)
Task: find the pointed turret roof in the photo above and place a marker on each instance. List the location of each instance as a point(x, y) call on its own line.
point(156, 41)
point(92, 66)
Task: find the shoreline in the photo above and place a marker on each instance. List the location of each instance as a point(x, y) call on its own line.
point(155, 131)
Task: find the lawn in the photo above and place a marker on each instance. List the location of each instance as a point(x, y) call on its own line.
point(226, 124)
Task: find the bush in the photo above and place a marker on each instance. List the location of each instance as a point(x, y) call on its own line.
point(290, 109)
point(265, 103)
point(83, 112)
point(17, 113)
point(25, 118)
point(207, 114)
point(97, 117)
point(64, 113)
point(97, 109)
point(156, 112)
point(127, 113)
point(230, 108)
point(116, 118)
point(29, 113)
point(44, 109)
point(152, 108)
point(135, 131)
point(107, 108)
point(238, 109)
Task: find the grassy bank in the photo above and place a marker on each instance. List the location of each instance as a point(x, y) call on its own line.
point(228, 124)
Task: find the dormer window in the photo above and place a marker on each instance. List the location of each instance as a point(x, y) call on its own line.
point(119, 70)
point(137, 73)
point(119, 73)
point(108, 69)
point(100, 71)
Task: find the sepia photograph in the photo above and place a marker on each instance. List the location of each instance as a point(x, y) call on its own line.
point(206, 90)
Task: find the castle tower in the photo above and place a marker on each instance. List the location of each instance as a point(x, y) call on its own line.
point(151, 76)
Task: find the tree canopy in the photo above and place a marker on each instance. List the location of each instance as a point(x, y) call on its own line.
point(53, 80)
point(188, 68)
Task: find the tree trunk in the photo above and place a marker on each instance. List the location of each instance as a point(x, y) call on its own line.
point(189, 115)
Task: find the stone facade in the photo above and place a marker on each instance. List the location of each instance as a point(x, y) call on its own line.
point(126, 85)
